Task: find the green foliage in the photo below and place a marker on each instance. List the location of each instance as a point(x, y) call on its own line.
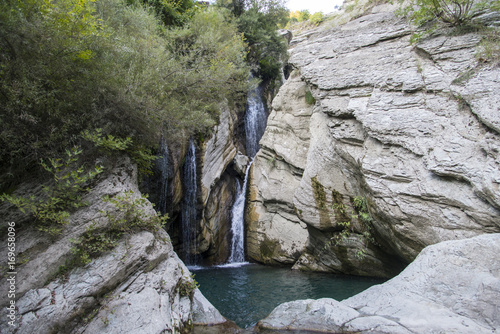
point(109, 144)
point(455, 12)
point(186, 287)
point(348, 225)
point(70, 66)
point(310, 98)
point(129, 216)
point(70, 181)
point(173, 12)
point(269, 68)
point(427, 14)
point(303, 15)
point(489, 48)
point(259, 21)
point(299, 15)
point(317, 18)
point(318, 193)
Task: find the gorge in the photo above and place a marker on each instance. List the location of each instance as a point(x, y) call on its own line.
point(378, 155)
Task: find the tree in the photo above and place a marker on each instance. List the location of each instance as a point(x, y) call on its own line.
point(68, 66)
point(259, 21)
point(173, 12)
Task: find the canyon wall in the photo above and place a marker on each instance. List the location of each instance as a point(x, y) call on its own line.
point(411, 131)
point(140, 285)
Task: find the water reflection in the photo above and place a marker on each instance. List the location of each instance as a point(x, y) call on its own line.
point(248, 293)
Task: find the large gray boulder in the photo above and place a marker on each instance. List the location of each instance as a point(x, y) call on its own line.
point(413, 129)
point(139, 286)
point(451, 287)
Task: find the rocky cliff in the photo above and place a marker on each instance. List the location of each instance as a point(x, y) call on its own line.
point(412, 131)
point(139, 286)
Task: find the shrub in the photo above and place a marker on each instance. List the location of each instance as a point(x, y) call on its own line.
point(428, 13)
point(109, 145)
point(70, 181)
point(259, 21)
point(129, 216)
point(310, 98)
point(68, 66)
point(361, 215)
point(316, 18)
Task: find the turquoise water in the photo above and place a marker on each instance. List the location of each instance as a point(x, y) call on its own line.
point(248, 293)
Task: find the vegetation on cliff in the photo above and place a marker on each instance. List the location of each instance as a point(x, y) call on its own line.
point(259, 20)
point(125, 67)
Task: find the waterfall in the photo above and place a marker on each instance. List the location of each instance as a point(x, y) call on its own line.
point(238, 223)
point(255, 121)
point(255, 125)
point(188, 212)
point(163, 166)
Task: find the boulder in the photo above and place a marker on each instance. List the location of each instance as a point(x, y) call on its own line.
point(451, 287)
point(139, 286)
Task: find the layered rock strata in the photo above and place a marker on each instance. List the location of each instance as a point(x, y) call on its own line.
point(220, 163)
point(139, 286)
point(410, 129)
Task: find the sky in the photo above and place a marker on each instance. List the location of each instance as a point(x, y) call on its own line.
point(313, 6)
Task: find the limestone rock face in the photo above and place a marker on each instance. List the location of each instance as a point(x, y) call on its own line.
point(451, 287)
point(139, 286)
point(275, 233)
point(413, 130)
point(218, 188)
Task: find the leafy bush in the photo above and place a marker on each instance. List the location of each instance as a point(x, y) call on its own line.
point(455, 12)
point(259, 21)
point(187, 286)
point(109, 145)
point(129, 216)
point(173, 12)
point(316, 18)
point(70, 181)
point(68, 66)
point(429, 13)
point(361, 215)
point(300, 15)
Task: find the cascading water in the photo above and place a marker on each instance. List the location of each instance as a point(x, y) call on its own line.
point(238, 224)
point(163, 166)
point(255, 121)
point(255, 125)
point(188, 212)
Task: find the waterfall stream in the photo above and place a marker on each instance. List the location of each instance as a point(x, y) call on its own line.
point(163, 165)
point(255, 121)
point(188, 211)
point(238, 224)
point(255, 125)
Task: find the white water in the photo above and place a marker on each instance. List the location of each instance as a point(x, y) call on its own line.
point(255, 121)
point(238, 223)
point(255, 125)
point(188, 213)
point(163, 166)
